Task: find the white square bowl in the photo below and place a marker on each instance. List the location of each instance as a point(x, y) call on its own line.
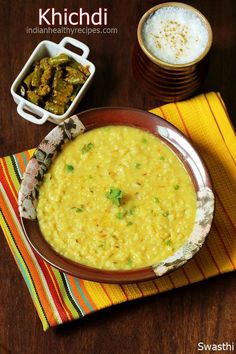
point(39, 115)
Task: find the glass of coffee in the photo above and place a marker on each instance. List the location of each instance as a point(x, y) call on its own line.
point(171, 54)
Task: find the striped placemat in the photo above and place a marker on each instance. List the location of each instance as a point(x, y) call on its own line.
point(59, 297)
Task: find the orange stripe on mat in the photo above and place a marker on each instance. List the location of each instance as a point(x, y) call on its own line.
point(28, 155)
point(56, 286)
point(77, 294)
point(21, 162)
point(8, 178)
point(88, 296)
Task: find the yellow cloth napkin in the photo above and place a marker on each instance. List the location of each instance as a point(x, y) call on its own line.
point(59, 297)
point(205, 121)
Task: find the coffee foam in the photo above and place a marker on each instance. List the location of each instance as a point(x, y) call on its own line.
point(175, 35)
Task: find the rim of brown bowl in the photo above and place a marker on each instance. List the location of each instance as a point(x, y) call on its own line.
point(178, 143)
point(160, 62)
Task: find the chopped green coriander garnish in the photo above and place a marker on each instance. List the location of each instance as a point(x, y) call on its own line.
point(168, 242)
point(101, 244)
point(120, 215)
point(156, 200)
point(176, 187)
point(115, 195)
point(166, 213)
point(162, 158)
point(129, 262)
point(90, 176)
point(129, 223)
point(131, 211)
point(138, 165)
point(144, 140)
point(70, 168)
point(80, 210)
point(87, 148)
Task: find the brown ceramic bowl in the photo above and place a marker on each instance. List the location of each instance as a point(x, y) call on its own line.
point(116, 116)
point(166, 81)
point(165, 86)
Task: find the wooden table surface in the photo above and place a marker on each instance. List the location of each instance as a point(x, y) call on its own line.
point(173, 322)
